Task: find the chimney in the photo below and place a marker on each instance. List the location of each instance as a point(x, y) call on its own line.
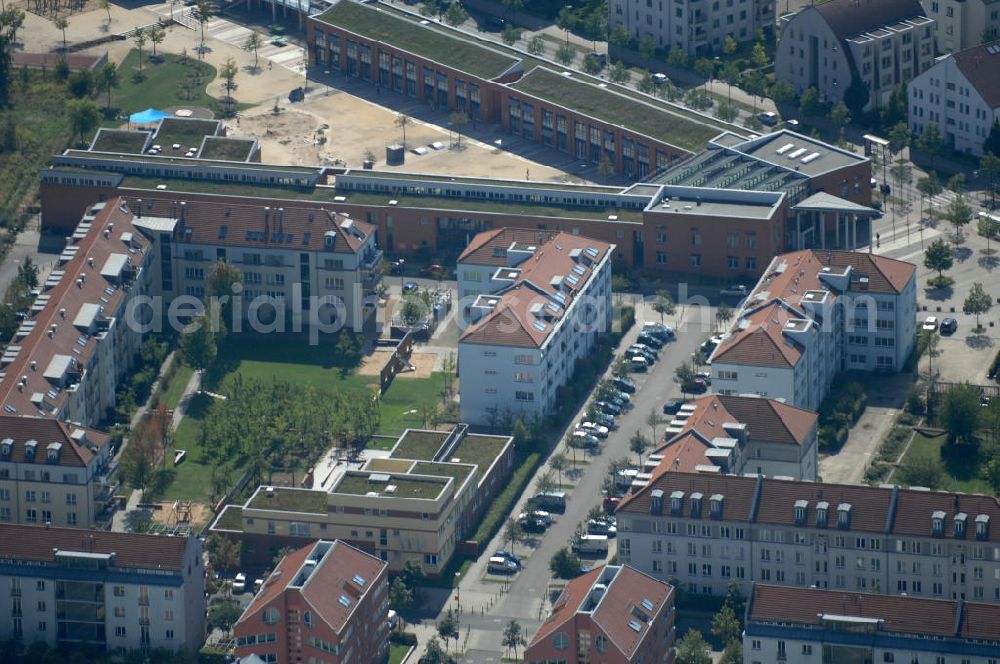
point(34, 365)
point(90, 261)
point(183, 210)
point(138, 208)
point(281, 220)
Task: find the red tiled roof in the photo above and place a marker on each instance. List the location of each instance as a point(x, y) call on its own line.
point(569, 601)
point(763, 342)
point(511, 322)
point(682, 453)
point(132, 550)
point(979, 67)
point(769, 420)
point(869, 505)
point(914, 510)
point(481, 250)
point(623, 597)
point(45, 430)
point(980, 621)
point(737, 491)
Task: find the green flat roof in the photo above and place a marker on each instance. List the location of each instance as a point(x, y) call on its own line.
point(359, 484)
point(289, 500)
point(327, 194)
point(460, 179)
point(454, 470)
point(231, 518)
point(577, 93)
point(226, 149)
point(419, 445)
point(119, 140)
point(161, 159)
point(189, 133)
point(422, 40)
point(480, 450)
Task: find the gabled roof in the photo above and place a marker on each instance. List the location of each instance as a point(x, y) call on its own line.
point(769, 420)
point(738, 492)
point(850, 17)
point(569, 601)
point(762, 343)
point(825, 202)
point(482, 248)
point(40, 544)
point(44, 431)
point(979, 65)
point(897, 614)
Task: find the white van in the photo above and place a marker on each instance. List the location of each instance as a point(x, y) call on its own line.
point(240, 583)
point(591, 544)
point(500, 565)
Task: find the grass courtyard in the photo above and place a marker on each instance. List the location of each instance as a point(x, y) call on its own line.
point(174, 81)
point(294, 362)
point(962, 464)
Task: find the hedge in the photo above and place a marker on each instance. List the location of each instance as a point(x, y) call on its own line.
point(841, 409)
point(403, 638)
point(995, 366)
point(503, 504)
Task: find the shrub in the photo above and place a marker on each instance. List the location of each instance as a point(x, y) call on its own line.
point(403, 638)
point(877, 472)
point(915, 403)
point(995, 366)
point(503, 503)
point(628, 319)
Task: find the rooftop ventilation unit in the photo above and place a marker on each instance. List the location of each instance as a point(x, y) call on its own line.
point(812, 156)
point(785, 148)
point(797, 153)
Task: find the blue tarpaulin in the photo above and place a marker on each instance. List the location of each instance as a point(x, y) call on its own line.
point(147, 116)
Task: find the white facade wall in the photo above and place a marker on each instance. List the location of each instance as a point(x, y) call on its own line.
point(758, 649)
point(962, 24)
point(770, 382)
point(698, 27)
point(942, 96)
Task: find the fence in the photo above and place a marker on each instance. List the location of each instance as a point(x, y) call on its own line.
point(938, 389)
point(397, 362)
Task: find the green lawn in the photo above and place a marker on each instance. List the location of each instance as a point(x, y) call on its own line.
point(397, 653)
point(961, 463)
point(173, 82)
point(176, 387)
point(295, 362)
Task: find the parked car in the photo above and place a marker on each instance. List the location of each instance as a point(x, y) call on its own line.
point(930, 324)
point(581, 438)
point(659, 78)
point(695, 386)
point(658, 330)
point(591, 544)
point(502, 553)
point(644, 351)
point(239, 583)
point(410, 287)
point(554, 501)
point(603, 419)
point(594, 429)
point(949, 326)
point(601, 527)
point(624, 384)
point(622, 396)
point(498, 565)
point(537, 515)
point(673, 407)
point(649, 340)
point(793, 124)
point(639, 363)
point(769, 118)
point(431, 270)
point(738, 290)
point(609, 408)
point(530, 524)
point(705, 376)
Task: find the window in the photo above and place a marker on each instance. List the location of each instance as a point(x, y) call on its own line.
point(560, 641)
point(119, 591)
point(695, 260)
point(169, 635)
point(119, 612)
point(271, 616)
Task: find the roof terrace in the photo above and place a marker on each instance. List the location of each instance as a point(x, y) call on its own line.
point(390, 486)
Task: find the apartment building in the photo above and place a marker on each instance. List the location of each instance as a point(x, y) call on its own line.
point(75, 344)
point(541, 307)
point(53, 473)
point(705, 531)
point(700, 29)
point(811, 626)
point(814, 313)
point(120, 591)
point(418, 502)
point(963, 24)
point(960, 95)
point(613, 614)
point(877, 44)
point(326, 602)
point(735, 435)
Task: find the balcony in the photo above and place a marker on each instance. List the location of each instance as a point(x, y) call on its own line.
point(371, 260)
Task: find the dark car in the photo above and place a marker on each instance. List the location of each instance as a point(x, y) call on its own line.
point(602, 418)
point(431, 270)
point(695, 386)
point(949, 326)
point(624, 384)
point(297, 94)
point(409, 287)
point(508, 555)
point(608, 408)
point(672, 407)
point(649, 340)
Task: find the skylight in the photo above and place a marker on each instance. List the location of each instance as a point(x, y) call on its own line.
point(359, 580)
point(347, 602)
point(646, 604)
point(592, 252)
point(553, 307)
point(573, 279)
point(579, 269)
point(634, 624)
point(540, 326)
point(560, 297)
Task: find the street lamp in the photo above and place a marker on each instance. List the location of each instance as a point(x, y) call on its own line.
point(458, 591)
point(327, 75)
point(568, 8)
point(400, 263)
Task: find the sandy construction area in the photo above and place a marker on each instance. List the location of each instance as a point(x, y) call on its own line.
point(423, 362)
point(199, 514)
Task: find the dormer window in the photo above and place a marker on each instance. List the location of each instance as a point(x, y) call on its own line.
point(960, 520)
point(982, 527)
point(6, 447)
point(844, 516)
point(937, 524)
point(800, 512)
point(656, 501)
point(696, 505)
point(822, 508)
point(29, 450)
point(676, 502)
point(52, 452)
point(715, 506)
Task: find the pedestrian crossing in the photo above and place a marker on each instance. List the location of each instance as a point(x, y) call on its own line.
point(283, 54)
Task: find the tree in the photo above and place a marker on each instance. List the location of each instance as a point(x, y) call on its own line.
point(536, 45)
point(930, 140)
point(228, 73)
point(730, 73)
point(565, 564)
point(566, 21)
point(992, 473)
point(977, 303)
point(960, 412)
point(646, 83)
point(727, 111)
point(83, 116)
point(938, 257)
point(106, 6)
point(759, 56)
point(960, 214)
point(559, 463)
point(663, 304)
point(156, 36)
point(545, 483)
point(653, 420)
point(434, 654)
point(840, 116)
point(512, 637)
point(402, 121)
point(732, 653)
point(252, 45)
point(565, 54)
point(139, 38)
point(11, 20)
point(729, 46)
point(512, 532)
point(27, 273)
point(509, 35)
point(455, 15)
point(989, 169)
point(458, 120)
point(901, 172)
point(988, 228)
point(638, 444)
point(992, 142)
point(81, 83)
point(684, 374)
point(677, 57)
point(726, 626)
point(447, 627)
point(400, 597)
point(809, 103)
point(922, 471)
point(61, 23)
point(591, 65)
point(198, 344)
point(619, 73)
point(597, 28)
point(692, 649)
point(705, 69)
point(107, 78)
point(930, 187)
point(137, 462)
point(856, 96)
point(223, 615)
point(723, 315)
point(647, 47)
point(782, 92)
point(203, 12)
point(513, 6)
